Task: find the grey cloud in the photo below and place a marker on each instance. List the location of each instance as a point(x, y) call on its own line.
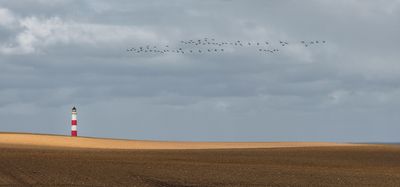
point(77, 56)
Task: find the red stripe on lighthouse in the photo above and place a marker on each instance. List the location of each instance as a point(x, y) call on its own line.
point(74, 122)
point(74, 133)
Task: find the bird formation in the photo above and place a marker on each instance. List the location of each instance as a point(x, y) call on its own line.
point(211, 45)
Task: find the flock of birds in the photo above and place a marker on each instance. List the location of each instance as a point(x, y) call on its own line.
point(210, 45)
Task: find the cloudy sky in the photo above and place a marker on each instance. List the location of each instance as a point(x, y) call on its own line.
point(55, 54)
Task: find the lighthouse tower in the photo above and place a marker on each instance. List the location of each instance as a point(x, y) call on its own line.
point(74, 123)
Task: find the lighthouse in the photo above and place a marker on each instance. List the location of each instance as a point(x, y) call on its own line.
point(74, 123)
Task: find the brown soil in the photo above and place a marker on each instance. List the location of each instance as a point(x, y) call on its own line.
point(370, 165)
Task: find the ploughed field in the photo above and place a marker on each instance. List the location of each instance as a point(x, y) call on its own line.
point(351, 165)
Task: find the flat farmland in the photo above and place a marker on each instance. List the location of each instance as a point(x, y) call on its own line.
point(357, 165)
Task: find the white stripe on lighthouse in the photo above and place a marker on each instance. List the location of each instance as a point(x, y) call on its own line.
point(73, 127)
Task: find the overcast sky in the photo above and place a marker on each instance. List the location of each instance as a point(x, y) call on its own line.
point(55, 54)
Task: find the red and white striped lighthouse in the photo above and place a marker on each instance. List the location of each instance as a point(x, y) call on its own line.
point(74, 123)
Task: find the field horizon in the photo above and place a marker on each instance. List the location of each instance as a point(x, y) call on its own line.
point(64, 141)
